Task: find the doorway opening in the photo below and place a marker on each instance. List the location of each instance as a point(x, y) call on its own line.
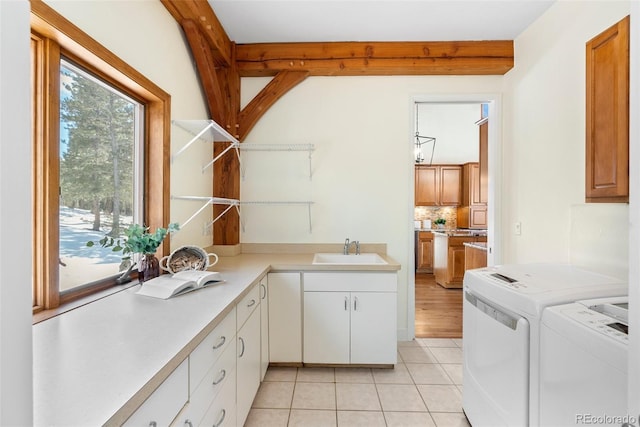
point(455, 185)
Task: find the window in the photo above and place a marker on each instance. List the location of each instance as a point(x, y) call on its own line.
point(101, 143)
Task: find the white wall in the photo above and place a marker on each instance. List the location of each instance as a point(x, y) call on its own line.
point(454, 127)
point(15, 226)
point(362, 185)
point(146, 36)
point(544, 132)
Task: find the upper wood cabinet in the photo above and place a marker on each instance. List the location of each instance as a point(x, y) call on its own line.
point(473, 211)
point(437, 185)
point(607, 115)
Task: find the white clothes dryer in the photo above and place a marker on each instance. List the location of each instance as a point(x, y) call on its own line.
point(583, 363)
point(502, 308)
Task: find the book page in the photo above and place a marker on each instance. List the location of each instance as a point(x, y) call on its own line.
point(165, 286)
point(201, 278)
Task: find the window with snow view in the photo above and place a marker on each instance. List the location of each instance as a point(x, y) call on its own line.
point(101, 142)
point(100, 176)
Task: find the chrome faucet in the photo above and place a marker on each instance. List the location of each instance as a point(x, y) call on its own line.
point(347, 246)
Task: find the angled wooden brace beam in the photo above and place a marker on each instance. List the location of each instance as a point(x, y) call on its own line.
point(282, 83)
point(202, 54)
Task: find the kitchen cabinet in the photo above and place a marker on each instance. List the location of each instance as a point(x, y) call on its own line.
point(350, 318)
point(437, 185)
point(475, 255)
point(449, 257)
point(264, 327)
point(285, 318)
point(165, 402)
point(607, 121)
point(472, 213)
point(248, 352)
point(424, 252)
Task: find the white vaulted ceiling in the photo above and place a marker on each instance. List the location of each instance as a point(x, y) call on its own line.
point(260, 21)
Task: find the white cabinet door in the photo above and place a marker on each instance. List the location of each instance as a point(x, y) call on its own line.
point(373, 327)
point(264, 327)
point(285, 318)
point(248, 365)
point(326, 327)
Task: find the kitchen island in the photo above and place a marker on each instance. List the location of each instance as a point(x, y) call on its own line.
point(106, 361)
point(449, 255)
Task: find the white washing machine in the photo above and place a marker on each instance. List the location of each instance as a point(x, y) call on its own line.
point(502, 309)
point(583, 363)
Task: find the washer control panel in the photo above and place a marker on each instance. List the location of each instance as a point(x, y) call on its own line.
point(602, 323)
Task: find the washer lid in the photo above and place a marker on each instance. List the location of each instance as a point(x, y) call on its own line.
point(528, 288)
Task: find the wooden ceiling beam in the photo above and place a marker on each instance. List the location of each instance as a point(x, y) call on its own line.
point(200, 12)
point(376, 58)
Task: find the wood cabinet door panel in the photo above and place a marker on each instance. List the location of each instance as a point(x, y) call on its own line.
point(426, 186)
point(607, 121)
point(450, 180)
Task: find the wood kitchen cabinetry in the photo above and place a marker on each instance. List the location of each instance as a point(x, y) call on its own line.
point(424, 252)
point(472, 213)
point(350, 318)
point(437, 185)
point(449, 258)
point(607, 121)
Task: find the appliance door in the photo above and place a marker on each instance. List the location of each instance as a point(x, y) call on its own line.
point(496, 364)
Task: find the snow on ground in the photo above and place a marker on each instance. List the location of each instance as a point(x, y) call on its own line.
point(84, 264)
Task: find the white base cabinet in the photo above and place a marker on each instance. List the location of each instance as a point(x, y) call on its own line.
point(248, 354)
point(350, 318)
point(285, 318)
point(264, 327)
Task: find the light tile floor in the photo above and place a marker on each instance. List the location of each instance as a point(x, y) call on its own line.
point(423, 390)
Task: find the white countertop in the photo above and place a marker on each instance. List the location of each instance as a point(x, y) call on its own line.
point(96, 364)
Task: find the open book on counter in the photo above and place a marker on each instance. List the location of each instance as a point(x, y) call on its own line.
point(167, 285)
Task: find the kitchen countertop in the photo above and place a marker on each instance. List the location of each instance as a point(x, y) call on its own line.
point(460, 232)
point(477, 245)
point(96, 364)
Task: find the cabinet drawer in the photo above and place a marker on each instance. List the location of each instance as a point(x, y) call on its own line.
point(246, 306)
point(215, 380)
point(222, 412)
point(351, 281)
point(165, 402)
point(211, 348)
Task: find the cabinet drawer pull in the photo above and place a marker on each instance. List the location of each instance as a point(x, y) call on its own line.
point(223, 374)
point(153, 424)
point(263, 288)
point(252, 303)
point(346, 304)
point(242, 341)
point(188, 423)
point(219, 423)
point(355, 303)
point(222, 340)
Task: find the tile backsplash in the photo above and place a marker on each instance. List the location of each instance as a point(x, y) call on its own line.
point(434, 212)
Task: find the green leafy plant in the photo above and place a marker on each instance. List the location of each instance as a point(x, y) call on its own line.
point(440, 221)
point(136, 240)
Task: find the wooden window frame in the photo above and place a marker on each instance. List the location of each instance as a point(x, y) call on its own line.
point(54, 36)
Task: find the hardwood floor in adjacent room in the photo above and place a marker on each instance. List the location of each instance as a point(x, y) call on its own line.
point(438, 310)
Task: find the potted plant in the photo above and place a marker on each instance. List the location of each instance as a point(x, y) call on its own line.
point(138, 240)
point(440, 222)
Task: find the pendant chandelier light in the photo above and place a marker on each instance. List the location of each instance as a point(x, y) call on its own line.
point(421, 140)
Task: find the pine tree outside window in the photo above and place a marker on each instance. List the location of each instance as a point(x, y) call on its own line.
point(100, 135)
